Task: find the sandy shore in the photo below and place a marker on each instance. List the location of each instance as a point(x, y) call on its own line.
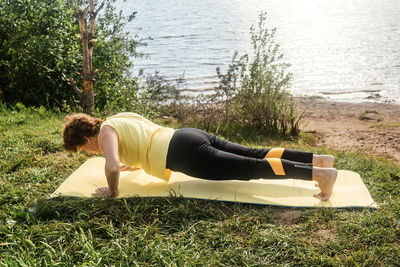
point(373, 128)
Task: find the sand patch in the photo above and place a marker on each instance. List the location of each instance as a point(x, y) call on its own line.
point(373, 128)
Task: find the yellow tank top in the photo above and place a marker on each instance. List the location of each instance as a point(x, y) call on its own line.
point(142, 143)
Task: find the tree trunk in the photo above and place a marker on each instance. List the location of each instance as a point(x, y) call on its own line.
point(86, 37)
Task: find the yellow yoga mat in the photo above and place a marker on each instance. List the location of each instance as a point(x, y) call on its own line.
point(349, 190)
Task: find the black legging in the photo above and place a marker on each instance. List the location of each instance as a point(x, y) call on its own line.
point(202, 155)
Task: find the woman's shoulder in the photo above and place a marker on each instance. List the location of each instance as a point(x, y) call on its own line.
point(126, 115)
point(121, 118)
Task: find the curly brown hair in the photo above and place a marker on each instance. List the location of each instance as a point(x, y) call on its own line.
point(79, 127)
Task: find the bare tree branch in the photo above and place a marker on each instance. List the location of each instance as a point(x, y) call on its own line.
point(74, 86)
point(86, 36)
point(82, 22)
point(93, 15)
point(87, 10)
point(99, 8)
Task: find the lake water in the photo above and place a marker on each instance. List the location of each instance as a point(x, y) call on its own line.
point(345, 50)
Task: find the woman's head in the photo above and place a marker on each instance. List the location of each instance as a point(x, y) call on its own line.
point(81, 130)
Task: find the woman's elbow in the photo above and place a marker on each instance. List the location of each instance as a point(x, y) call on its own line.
point(113, 169)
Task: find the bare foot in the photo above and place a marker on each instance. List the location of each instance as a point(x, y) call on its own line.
point(325, 161)
point(326, 178)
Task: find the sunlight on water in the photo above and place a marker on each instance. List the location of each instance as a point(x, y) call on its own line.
point(339, 49)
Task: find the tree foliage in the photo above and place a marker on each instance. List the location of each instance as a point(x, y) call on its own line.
point(39, 52)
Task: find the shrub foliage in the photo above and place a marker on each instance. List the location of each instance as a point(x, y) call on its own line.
point(39, 53)
point(253, 92)
point(262, 97)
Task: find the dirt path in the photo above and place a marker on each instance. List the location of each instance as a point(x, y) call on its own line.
point(369, 127)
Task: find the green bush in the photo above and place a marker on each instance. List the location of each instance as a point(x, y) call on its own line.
point(254, 89)
point(39, 53)
point(251, 97)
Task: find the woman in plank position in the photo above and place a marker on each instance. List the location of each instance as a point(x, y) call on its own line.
point(130, 142)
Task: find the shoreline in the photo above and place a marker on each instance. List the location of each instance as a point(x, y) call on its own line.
point(370, 127)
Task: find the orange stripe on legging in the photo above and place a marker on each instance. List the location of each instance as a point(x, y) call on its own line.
point(275, 153)
point(276, 165)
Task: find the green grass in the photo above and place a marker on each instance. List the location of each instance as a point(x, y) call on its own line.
point(367, 111)
point(387, 125)
point(37, 231)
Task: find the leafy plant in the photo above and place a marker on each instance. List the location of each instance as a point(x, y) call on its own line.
point(253, 92)
point(39, 53)
point(256, 86)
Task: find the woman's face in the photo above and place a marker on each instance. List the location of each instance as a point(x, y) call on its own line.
point(91, 146)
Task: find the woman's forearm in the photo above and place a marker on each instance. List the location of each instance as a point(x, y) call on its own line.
point(112, 175)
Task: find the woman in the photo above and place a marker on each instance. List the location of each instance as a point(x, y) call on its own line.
point(136, 142)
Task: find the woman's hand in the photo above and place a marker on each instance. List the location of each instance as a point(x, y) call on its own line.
point(105, 192)
point(123, 168)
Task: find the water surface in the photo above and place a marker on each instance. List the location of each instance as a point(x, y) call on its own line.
point(339, 49)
